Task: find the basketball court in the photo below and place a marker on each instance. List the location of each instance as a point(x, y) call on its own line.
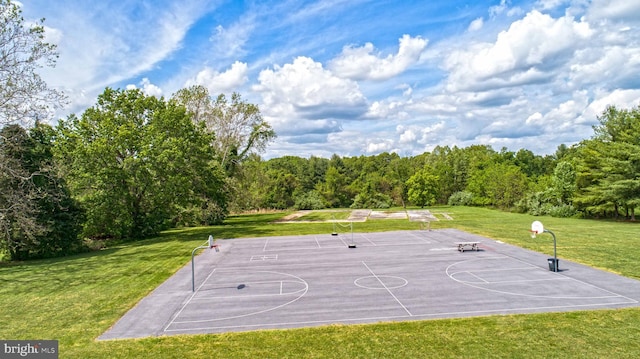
point(314, 280)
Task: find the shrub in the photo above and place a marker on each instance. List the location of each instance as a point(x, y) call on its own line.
point(563, 211)
point(377, 201)
point(462, 198)
point(309, 200)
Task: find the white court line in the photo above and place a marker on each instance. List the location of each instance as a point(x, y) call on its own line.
point(482, 279)
point(413, 316)
point(592, 285)
point(268, 265)
point(263, 258)
point(424, 240)
point(369, 240)
point(530, 280)
point(342, 240)
point(388, 318)
point(387, 289)
point(222, 286)
point(475, 285)
point(300, 280)
point(188, 301)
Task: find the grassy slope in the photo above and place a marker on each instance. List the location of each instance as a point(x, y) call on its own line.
point(77, 298)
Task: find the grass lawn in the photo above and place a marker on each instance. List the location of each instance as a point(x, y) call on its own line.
point(75, 299)
point(326, 215)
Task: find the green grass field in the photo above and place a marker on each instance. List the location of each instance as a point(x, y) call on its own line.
point(75, 299)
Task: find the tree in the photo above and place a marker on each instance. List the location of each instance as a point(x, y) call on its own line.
point(451, 168)
point(238, 126)
point(40, 217)
point(423, 187)
point(24, 95)
point(608, 173)
point(248, 186)
point(18, 223)
point(136, 161)
point(24, 98)
point(334, 188)
point(500, 184)
point(564, 182)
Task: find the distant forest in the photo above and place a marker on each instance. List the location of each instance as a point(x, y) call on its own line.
point(599, 177)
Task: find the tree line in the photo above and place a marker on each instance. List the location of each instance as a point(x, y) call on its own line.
point(133, 165)
point(596, 178)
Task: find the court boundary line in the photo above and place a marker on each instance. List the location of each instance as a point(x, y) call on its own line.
point(372, 320)
point(532, 267)
point(365, 319)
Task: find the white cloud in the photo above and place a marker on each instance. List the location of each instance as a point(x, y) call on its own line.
point(52, 35)
point(101, 45)
point(310, 90)
point(407, 135)
point(476, 25)
point(388, 110)
point(150, 89)
point(535, 119)
point(618, 97)
point(379, 145)
point(504, 8)
point(221, 82)
point(361, 64)
point(303, 99)
point(550, 4)
point(519, 54)
point(612, 10)
point(230, 42)
point(432, 134)
point(147, 88)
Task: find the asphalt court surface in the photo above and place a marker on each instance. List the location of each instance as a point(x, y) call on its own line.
point(312, 280)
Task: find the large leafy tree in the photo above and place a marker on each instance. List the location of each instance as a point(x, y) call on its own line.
point(608, 170)
point(238, 125)
point(423, 187)
point(24, 98)
point(41, 219)
point(450, 165)
point(499, 184)
point(18, 213)
point(136, 161)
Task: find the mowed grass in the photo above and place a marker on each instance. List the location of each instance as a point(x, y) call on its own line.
point(75, 299)
point(325, 215)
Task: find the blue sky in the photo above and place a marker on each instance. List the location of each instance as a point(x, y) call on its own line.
point(357, 77)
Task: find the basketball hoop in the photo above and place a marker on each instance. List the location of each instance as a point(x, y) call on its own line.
point(211, 245)
point(536, 228)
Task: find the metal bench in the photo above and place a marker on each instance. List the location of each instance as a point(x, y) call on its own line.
point(472, 245)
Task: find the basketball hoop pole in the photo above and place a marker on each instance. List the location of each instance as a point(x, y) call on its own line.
point(193, 269)
point(555, 256)
point(536, 228)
